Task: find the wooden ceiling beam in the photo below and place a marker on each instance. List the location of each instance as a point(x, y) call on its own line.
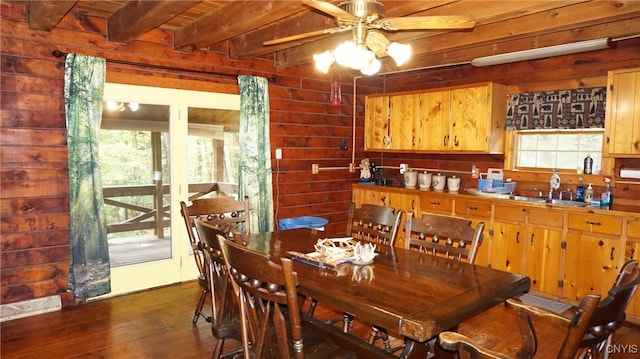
point(574, 16)
point(45, 15)
point(483, 12)
point(466, 54)
point(250, 44)
point(231, 20)
point(137, 17)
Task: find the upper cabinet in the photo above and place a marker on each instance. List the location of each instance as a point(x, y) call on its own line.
point(467, 119)
point(622, 122)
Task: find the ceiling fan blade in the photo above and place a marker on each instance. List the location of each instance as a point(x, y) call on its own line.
point(306, 35)
point(426, 22)
point(330, 9)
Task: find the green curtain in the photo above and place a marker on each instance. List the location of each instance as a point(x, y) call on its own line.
point(89, 274)
point(255, 151)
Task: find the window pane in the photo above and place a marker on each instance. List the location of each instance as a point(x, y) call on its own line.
point(548, 142)
point(527, 159)
point(528, 142)
point(559, 149)
point(569, 142)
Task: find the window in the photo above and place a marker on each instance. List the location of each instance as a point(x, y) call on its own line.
point(557, 149)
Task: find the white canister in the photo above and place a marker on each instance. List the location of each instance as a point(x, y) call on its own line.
point(438, 182)
point(424, 180)
point(410, 179)
point(453, 184)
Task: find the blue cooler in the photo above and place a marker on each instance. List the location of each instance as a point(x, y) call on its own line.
point(303, 222)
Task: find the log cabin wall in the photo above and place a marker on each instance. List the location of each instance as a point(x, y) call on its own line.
point(34, 193)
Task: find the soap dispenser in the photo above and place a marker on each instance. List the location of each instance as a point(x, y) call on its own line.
point(588, 194)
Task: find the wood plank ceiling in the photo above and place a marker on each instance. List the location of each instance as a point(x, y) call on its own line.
point(501, 26)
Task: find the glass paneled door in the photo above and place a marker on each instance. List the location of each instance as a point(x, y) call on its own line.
point(158, 147)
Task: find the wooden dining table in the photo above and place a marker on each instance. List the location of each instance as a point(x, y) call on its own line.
point(410, 294)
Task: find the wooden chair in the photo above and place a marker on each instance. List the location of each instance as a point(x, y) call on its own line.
point(449, 237)
point(444, 236)
point(267, 296)
point(226, 212)
point(224, 321)
point(373, 223)
point(587, 331)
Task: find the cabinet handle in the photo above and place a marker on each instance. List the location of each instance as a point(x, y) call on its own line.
point(383, 199)
point(533, 235)
point(445, 140)
point(518, 237)
point(591, 224)
point(434, 203)
point(633, 251)
point(455, 140)
point(613, 249)
point(413, 204)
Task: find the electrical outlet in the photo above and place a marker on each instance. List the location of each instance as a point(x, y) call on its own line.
point(278, 153)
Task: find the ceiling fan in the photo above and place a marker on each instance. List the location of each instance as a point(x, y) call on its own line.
point(367, 17)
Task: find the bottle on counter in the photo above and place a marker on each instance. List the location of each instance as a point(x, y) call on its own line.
point(580, 191)
point(588, 194)
point(588, 165)
point(606, 197)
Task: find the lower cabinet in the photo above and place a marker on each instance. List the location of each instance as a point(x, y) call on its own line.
point(543, 250)
point(567, 253)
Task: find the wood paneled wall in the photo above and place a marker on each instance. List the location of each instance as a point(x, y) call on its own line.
point(34, 209)
point(34, 172)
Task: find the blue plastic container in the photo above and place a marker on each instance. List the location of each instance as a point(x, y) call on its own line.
point(303, 222)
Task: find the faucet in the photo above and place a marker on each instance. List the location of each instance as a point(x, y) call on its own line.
point(554, 183)
point(569, 191)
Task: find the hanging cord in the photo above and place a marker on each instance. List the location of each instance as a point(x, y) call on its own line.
point(58, 53)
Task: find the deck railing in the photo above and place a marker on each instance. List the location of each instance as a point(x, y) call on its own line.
point(152, 218)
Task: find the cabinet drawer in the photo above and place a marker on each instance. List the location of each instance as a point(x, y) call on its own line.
point(435, 204)
point(473, 209)
point(510, 213)
point(633, 228)
point(594, 223)
point(546, 217)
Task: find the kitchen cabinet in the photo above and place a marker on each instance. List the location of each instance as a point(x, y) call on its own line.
point(593, 254)
point(458, 119)
point(622, 121)
point(436, 202)
point(567, 252)
point(543, 249)
point(376, 124)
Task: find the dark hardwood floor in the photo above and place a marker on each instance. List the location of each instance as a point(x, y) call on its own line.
point(157, 324)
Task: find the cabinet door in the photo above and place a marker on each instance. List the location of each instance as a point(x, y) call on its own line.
point(508, 247)
point(470, 113)
point(403, 117)
point(543, 258)
point(622, 124)
point(432, 127)
point(361, 196)
point(591, 265)
point(376, 123)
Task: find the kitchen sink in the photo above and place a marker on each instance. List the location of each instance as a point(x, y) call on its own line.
point(557, 202)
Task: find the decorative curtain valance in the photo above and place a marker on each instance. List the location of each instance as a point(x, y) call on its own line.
point(562, 109)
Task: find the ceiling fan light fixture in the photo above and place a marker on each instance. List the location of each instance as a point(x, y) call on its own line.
point(371, 69)
point(400, 53)
point(323, 61)
point(355, 57)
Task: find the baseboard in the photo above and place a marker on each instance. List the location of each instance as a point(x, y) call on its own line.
point(29, 307)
